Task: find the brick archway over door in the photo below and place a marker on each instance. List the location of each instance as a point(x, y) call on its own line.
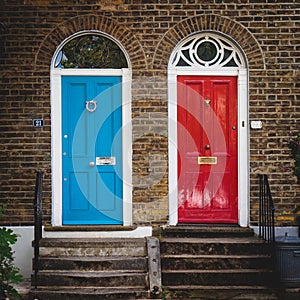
point(84, 23)
point(214, 23)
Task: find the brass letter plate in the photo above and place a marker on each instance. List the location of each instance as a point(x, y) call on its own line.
point(105, 160)
point(207, 160)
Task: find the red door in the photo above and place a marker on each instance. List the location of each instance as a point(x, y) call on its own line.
point(207, 149)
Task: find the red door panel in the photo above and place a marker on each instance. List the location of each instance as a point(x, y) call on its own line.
point(207, 149)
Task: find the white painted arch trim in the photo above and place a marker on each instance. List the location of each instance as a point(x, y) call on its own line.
point(243, 137)
point(56, 146)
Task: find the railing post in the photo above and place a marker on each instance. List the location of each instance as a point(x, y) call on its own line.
point(260, 205)
point(273, 224)
point(266, 210)
point(37, 223)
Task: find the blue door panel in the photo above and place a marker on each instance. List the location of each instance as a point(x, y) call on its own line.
point(92, 194)
point(74, 191)
point(110, 182)
point(76, 95)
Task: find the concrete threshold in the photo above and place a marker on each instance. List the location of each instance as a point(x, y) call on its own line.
point(97, 231)
point(90, 228)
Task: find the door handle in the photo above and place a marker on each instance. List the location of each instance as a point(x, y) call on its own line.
point(92, 164)
point(207, 147)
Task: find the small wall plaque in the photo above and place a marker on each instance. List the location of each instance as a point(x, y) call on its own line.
point(38, 123)
point(256, 124)
point(207, 160)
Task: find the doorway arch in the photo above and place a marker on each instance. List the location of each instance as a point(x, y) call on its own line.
point(209, 53)
point(68, 65)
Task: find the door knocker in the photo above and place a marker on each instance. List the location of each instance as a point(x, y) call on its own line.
point(91, 105)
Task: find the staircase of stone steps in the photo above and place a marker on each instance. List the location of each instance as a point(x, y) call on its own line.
point(216, 263)
point(197, 262)
point(92, 269)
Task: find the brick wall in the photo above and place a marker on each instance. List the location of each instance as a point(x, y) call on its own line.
point(31, 30)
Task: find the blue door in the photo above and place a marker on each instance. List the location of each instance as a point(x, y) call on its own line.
point(92, 150)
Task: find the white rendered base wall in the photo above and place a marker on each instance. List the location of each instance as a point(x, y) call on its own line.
point(280, 231)
point(23, 249)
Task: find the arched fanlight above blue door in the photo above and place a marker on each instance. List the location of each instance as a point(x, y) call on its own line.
point(90, 51)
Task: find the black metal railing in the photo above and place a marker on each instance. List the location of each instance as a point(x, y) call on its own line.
point(37, 224)
point(266, 210)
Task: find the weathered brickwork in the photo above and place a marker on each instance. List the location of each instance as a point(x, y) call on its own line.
point(31, 31)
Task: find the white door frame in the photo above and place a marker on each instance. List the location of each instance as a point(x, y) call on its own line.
point(243, 137)
point(56, 138)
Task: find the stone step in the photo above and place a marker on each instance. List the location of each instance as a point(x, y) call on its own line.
point(185, 231)
point(92, 279)
point(243, 277)
point(56, 247)
point(87, 293)
point(93, 263)
point(220, 292)
point(92, 268)
point(214, 246)
point(214, 262)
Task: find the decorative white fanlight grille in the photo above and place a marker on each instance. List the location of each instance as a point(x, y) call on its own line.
point(207, 50)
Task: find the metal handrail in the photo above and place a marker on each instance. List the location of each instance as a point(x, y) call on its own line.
point(266, 210)
point(37, 224)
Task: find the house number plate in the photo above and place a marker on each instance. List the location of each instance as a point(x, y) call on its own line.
point(207, 160)
point(105, 160)
point(38, 123)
